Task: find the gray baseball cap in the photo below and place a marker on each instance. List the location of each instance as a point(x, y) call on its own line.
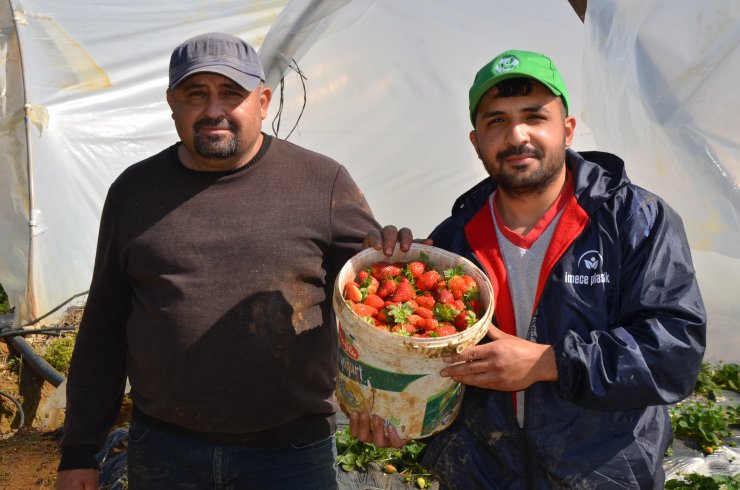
point(217, 53)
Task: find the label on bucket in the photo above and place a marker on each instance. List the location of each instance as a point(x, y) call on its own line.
point(440, 409)
point(368, 375)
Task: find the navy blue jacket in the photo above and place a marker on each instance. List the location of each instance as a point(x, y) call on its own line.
point(623, 311)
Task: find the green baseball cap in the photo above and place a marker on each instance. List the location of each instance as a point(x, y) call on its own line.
point(514, 63)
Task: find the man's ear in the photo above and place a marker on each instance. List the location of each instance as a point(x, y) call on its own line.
point(170, 97)
point(570, 127)
point(265, 98)
point(474, 142)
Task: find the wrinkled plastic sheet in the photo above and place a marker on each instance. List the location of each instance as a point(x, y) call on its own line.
point(724, 461)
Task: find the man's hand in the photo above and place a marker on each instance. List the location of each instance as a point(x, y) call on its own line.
point(373, 430)
point(82, 479)
point(506, 364)
point(387, 238)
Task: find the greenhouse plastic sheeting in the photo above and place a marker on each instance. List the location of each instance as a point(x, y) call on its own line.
point(385, 94)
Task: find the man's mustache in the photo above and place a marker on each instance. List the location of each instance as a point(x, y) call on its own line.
point(220, 123)
point(526, 150)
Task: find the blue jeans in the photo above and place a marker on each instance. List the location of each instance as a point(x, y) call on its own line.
point(162, 460)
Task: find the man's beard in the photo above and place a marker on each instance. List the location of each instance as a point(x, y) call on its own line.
point(516, 182)
point(215, 147)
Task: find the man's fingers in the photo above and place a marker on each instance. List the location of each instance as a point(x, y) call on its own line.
point(396, 441)
point(494, 333)
point(379, 433)
point(373, 240)
point(390, 237)
point(405, 239)
point(359, 426)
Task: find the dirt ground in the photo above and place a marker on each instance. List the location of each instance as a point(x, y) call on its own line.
point(29, 455)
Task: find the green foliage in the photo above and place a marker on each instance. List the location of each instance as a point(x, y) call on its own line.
point(13, 364)
point(59, 352)
point(695, 481)
point(727, 376)
point(705, 423)
point(354, 455)
point(4, 304)
point(715, 378)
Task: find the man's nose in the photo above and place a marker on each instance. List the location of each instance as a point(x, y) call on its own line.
point(518, 134)
point(215, 108)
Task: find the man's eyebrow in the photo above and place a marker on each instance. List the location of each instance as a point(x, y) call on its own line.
point(535, 108)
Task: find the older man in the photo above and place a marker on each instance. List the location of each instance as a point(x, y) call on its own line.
point(212, 293)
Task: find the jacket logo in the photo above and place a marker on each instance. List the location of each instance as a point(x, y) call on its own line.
point(589, 270)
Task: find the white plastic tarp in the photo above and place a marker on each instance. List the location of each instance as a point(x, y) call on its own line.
point(651, 81)
point(90, 76)
point(660, 90)
point(386, 95)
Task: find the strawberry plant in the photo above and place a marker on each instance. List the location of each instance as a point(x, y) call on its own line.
point(695, 481)
point(713, 379)
point(727, 376)
point(704, 423)
point(355, 455)
point(413, 299)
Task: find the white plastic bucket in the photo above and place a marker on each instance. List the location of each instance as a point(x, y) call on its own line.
point(396, 377)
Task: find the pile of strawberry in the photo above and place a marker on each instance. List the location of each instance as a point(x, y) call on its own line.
point(413, 299)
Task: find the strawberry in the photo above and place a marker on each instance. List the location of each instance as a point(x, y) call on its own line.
point(470, 282)
point(457, 286)
point(444, 296)
point(427, 301)
point(427, 280)
point(464, 319)
point(405, 329)
point(400, 312)
point(369, 285)
point(362, 275)
point(445, 330)
point(364, 310)
point(382, 326)
point(387, 287)
point(375, 301)
point(416, 268)
point(424, 312)
point(428, 324)
point(382, 316)
point(413, 319)
point(458, 304)
point(476, 306)
point(404, 292)
point(352, 292)
point(383, 270)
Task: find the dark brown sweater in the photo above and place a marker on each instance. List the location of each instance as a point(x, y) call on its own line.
point(212, 292)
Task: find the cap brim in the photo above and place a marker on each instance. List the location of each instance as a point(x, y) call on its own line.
point(244, 80)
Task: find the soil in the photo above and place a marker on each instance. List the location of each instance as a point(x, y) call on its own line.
point(28, 455)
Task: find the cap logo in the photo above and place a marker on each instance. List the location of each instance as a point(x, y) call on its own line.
point(506, 64)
